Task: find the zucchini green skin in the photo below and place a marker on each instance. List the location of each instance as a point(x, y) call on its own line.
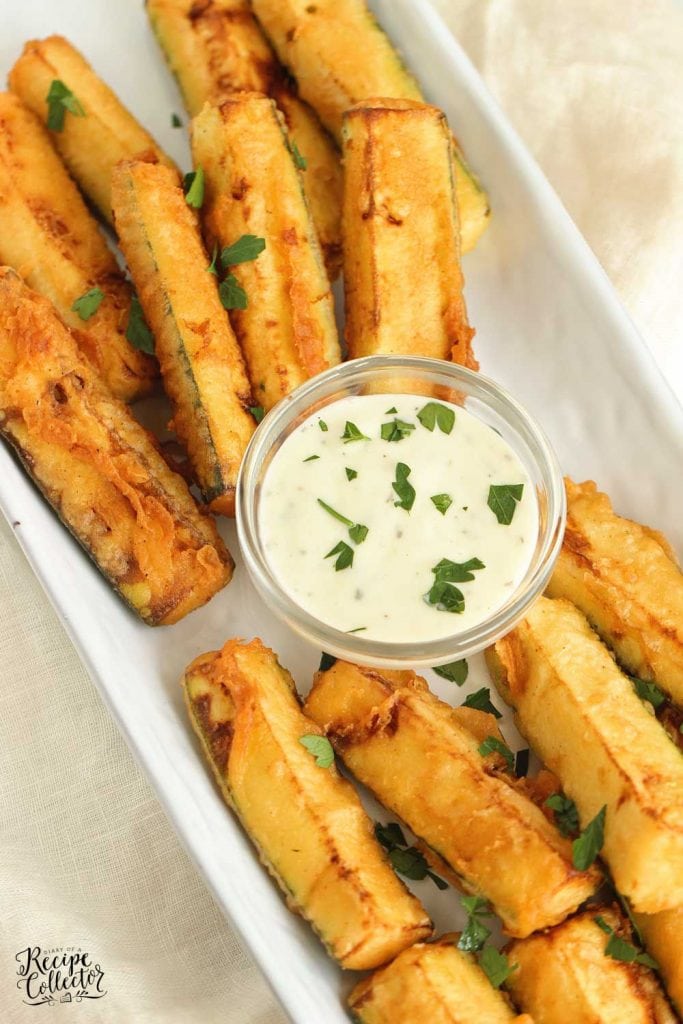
point(201, 365)
point(305, 821)
point(99, 469)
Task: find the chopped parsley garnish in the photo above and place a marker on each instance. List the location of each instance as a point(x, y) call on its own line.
point(495, 966)
point(441, 502)
point(522, 763)
point(86, 305)
point(475, 933)
point(492, 745)
point(232, 294)
point(481, 700)
point(193, 186)
point(212, 267)
point(443, 594)
point(649, 692)
point(396, 430)
point(502, 501)
point(434, 414)
point(352, 433)
point(351, 474)
point(344, 555)
point(456, 671)
point(404, 490)
point(405, 860)
point(564, 812)
point(60, 99)
point(358, 629)
point(258, 412)
point(589, 844)
point(320, 747)
point(311, 458)
point(621, 949)
point(299, 160)
point(137, 331)
point(323, 426)
point(244, 250)
point(390, 412)
point(175, 121)
point(357, 532)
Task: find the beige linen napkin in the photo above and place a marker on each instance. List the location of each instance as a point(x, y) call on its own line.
point(87, 857)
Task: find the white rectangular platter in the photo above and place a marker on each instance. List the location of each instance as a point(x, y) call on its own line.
point(549, 328)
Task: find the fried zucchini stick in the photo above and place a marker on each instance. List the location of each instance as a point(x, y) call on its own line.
point(583, 718)
point(92, 143)
point(287, 332)
point(431, 983)
point(340, 56)
point(564, 975)
point(305, 820)
point(402, 276)
point(201, 364)
point(662, 936)
point(421, 759)
point(625, 579)
point(49, 237)
point(216, 47)
point(99, 469)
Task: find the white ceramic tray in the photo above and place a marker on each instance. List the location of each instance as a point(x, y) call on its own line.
point(549, 328)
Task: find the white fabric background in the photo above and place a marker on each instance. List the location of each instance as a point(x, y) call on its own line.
point(87, 856)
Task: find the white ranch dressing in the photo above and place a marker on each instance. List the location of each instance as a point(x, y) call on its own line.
point(382, 594)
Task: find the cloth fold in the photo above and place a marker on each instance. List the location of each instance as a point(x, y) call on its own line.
point(87, 857)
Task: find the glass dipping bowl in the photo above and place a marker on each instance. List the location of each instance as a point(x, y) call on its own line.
point(424, 377)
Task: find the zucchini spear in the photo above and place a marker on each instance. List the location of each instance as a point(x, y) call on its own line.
point(340, 56)
point(422, 759)
point(201, 364)
point(99, 469)
point(216, 47)
point(402, 276)
point(50, 238)
point(89, 127)
point(585, 721)
point(305, 820)
point(287, 330)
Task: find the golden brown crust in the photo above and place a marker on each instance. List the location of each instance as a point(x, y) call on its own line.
point(216, 47)
point(624, 577)
point(51, 240)
point(583, 718)
point(421, 759)
point(402, 276)
point(288, 332)
point(564, 974)
point(201, 364)
point(92, 145)
point(306, 821)
point(99, 469)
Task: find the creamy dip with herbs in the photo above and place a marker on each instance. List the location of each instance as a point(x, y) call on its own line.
point(398, 517)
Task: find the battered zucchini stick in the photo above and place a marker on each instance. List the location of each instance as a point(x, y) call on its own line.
point(201, 364)
point(340, 56)
point(216, 47)
point(402, 277)
point(99, 469)
point(421, 759)
point(90, 145)
point(662, 936)
point(431, 982)
point(305, 820)
point(565, 975)
point(49, 237)
point(287, 332)
point(625, 579)
point(583, 718)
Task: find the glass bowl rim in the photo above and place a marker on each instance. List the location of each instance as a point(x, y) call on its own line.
point(303, 401)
